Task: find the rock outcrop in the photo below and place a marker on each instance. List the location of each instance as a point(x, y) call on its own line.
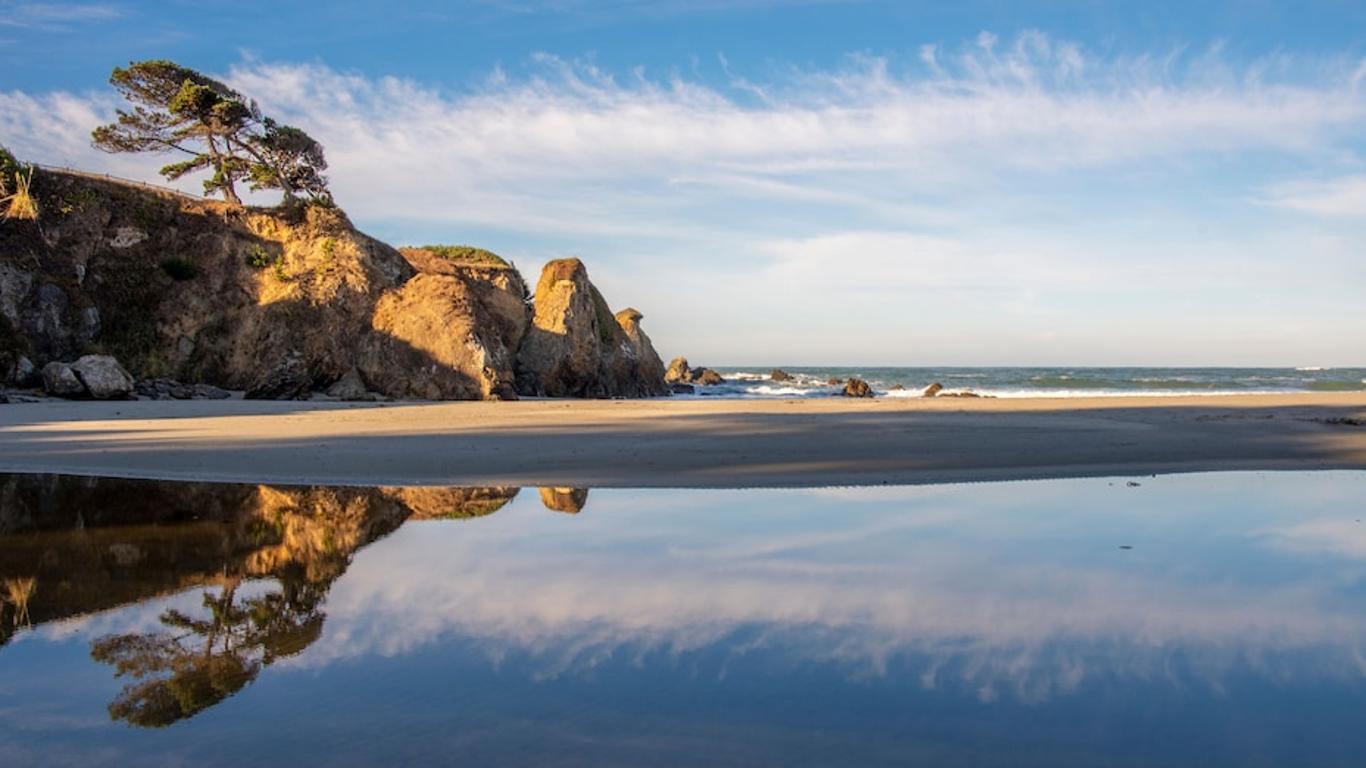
point(679, 372)
point(779, 374)
point(650, 367)
point(576, 347)
point(933, 389)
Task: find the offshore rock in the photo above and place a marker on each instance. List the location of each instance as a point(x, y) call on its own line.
point(857, 388)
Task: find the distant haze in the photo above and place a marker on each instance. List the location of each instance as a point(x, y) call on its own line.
point(817, 183)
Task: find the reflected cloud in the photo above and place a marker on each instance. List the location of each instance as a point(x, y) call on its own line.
point(1014, 591)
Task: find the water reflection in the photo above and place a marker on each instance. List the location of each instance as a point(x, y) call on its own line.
point(1071, 615)
point(194, 663)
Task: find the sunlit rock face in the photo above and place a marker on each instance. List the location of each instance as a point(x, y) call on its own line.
point(204, 292)
point(576, 347)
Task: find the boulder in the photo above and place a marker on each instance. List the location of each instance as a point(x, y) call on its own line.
point(780, 375)
point(833, 382)
point(350, 387)
point(707, 377)
point(210, 392)
point(857, 388)
point(169, 389)
point(933, 390)
point(103, 377)
point(163, 389)
point(22, 373)
point(679, 388)
point(60, 381)
point(679, 371)
point(569, 500)
point(286, 380)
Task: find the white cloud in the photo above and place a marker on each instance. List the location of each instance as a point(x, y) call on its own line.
point(1340, 197)
point(571, 124)
point(54, 17)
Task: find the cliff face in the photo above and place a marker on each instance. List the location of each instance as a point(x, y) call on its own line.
point(282, 301)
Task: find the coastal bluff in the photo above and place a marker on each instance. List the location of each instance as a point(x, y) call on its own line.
point(285, 302)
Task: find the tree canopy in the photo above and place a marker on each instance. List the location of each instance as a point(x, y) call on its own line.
point(214, 128)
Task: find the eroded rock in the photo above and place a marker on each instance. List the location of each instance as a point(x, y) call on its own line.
point(576, 347)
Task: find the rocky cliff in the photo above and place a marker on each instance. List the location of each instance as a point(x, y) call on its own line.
point(281, 302)
point(576, 347)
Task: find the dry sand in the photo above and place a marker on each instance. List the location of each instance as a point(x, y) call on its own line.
point(684, 443)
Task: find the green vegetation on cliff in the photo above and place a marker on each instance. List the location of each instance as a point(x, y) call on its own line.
point(467, 254)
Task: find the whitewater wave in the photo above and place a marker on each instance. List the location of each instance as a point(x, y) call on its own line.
point(757, 383)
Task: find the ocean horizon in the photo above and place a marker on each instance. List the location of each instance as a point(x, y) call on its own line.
point(1038, 381)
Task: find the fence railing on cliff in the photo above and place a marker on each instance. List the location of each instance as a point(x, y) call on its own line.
point(121, 180)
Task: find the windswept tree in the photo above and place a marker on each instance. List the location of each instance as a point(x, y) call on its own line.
point(215, 129)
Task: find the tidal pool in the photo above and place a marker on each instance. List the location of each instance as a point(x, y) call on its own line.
point(1209, 619)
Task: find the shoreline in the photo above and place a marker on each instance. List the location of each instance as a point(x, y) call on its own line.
point(685, 443)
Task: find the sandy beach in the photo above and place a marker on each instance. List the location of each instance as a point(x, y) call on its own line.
point(684, 443)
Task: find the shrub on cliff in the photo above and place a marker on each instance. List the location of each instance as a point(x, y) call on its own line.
point(466, 253)
point(8, 167)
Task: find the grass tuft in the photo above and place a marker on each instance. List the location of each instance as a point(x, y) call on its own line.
point(20, 203)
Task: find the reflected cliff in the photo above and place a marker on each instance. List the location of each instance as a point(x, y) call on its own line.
point(74, 545)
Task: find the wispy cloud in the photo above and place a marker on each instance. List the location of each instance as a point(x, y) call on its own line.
point(54, 17)
point(1340, 197)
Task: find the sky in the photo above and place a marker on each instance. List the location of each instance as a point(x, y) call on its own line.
point(805, 183)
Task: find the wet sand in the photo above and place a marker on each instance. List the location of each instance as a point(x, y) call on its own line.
point(684, 443)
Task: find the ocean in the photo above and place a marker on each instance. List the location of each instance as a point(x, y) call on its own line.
point(813, 381)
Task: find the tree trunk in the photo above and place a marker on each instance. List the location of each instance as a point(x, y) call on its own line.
point(225, 180)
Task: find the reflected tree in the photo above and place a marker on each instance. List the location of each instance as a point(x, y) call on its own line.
point(196, 662)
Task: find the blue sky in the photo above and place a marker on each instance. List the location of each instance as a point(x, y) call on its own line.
point(816, 182)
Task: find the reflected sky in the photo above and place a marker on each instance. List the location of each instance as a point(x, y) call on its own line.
point(1197, 619)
